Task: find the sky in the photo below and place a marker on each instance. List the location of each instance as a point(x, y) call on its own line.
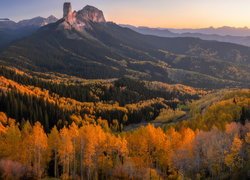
point(152, 13)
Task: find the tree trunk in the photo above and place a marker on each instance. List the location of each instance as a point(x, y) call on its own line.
point(81, 160)
point(55, 165)
point(74, 159)
point(39, 163)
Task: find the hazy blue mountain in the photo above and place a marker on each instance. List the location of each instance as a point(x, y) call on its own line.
point(223, 31)
point(10, 30)
point(242, 40)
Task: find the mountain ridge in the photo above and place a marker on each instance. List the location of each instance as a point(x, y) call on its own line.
point(11, 31)
point(223, 31)
point(162, 32)
point(105, 50)
point(36, 21)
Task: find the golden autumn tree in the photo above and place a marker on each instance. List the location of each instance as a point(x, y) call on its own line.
point(53, 141)
point(26, 148)
point(39, 149)
point(183, 156)
point(65, 152)
point(174, 139)
point(233, 160)
point(3, 118)
point(112, 154)
point(74, 133)
point(2, 128)
point(138, 153)
point(104, 124)
point(156, 139)
point(91, 140)
point(10, 143)
point(148, 148)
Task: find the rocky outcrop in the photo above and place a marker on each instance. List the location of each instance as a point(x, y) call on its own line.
point(90, 13)
point(81, 19)
point(67, 9)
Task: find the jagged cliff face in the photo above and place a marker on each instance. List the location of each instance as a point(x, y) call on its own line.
point(67, 9)
point(79, 20)
point(90, 13)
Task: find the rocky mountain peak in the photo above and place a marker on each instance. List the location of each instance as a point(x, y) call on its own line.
point(90, 13)
point(79, 20)
point(51, 19)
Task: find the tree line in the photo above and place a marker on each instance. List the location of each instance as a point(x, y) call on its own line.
point(34, 104)
point(91, 152)
point(123, 90)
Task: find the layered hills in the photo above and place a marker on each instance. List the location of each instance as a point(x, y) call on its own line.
point(83, 44)
point(11, 31)
point(224, 34)
point(84, 98)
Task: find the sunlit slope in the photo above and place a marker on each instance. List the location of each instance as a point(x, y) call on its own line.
point(107, 50)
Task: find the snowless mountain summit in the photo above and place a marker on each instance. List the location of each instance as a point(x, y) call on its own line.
point(79, 20)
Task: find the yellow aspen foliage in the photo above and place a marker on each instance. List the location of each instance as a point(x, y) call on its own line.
point(115, 151)
point(65, 152)
point(53, 141)
point(2, 128)
point(10, 143)
point(3, 118)
point(188, 136)
point(104, 124)
point(74, 133)
point(183, 154)
point(26, 157)
point(39, 149)
point(233, 159)
point(92, 139)
point(73, 130)
point(174, 137)
point(138, 146)
point(76, 119)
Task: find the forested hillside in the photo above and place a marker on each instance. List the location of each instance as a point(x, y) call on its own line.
point(106, 50)
point(68, 127)
point(53, 101)
point(83, 98)
point(89, 151)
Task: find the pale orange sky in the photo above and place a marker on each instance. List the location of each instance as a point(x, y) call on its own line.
point(188, 14)
point(153, 13)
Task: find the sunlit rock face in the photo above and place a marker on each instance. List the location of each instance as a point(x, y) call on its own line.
point(67, 9)
point(90, 13)
point(81, 19)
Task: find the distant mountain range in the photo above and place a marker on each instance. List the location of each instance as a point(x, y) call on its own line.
point(223, 31)
point(224, 34)
point(35, 22)
point(83, 44)
point(10, 30)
